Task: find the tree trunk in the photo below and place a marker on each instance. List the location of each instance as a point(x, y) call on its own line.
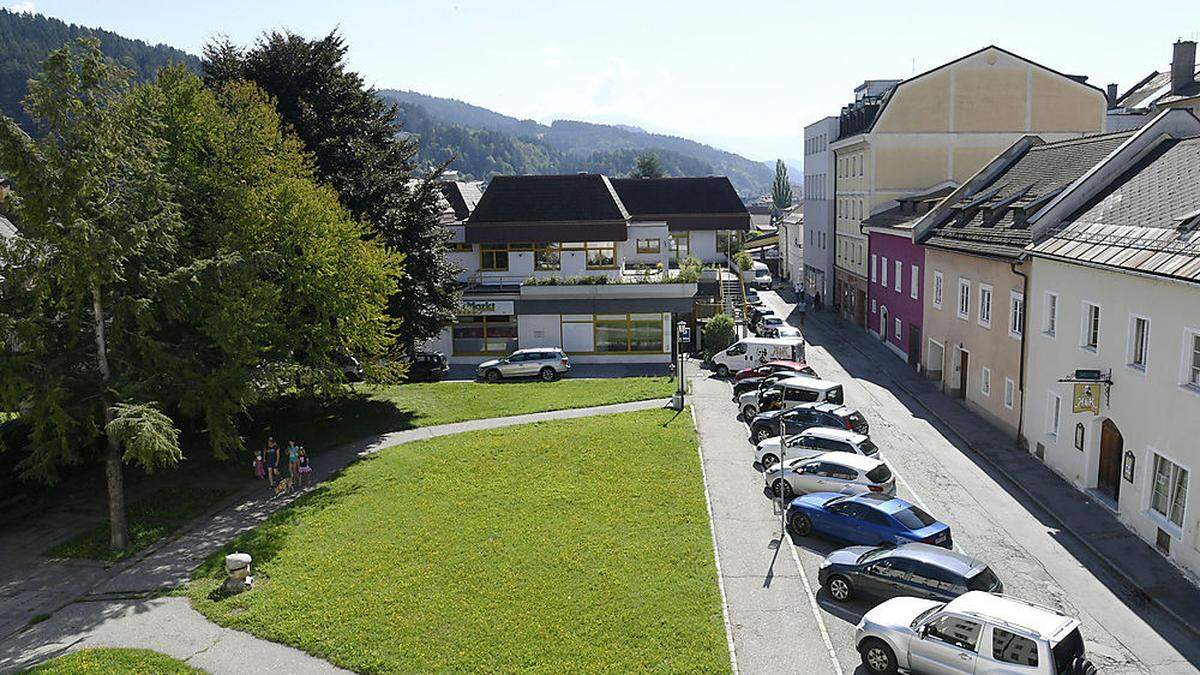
point(113, 469)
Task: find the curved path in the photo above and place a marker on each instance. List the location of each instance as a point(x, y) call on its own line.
point(125, 608)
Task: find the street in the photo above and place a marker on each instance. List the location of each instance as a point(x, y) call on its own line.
point(782, 622)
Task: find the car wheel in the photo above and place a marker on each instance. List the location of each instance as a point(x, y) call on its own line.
point(722, 370)
point(492, 376)
point(878, 657)
point(781, 484)
point(839, 588)
point(1082, 666)
point(800, 525)
point(749, 412)
point(769, 460)
point(762, 434)
point(548, 374)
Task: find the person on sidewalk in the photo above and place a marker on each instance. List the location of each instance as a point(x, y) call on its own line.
point(801, 310)
point(305, 469)
point(272, 461)
point(293, 457)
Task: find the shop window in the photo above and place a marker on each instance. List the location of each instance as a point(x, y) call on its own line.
point(484, 335)
point(629, 333)
point(681, 245)
point(601, 255)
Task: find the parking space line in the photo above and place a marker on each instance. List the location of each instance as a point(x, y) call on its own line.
point(812, 603)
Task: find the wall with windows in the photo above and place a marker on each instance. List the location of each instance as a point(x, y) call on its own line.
point(1148, 334)
point(901, 293)
point(819, 185)
point(985, 333)
point(510, 264)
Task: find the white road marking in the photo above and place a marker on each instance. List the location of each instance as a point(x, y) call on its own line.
point(812, 603)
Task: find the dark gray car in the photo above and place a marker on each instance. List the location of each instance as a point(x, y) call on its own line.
point(913, 570)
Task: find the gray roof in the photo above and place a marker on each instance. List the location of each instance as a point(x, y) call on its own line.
point(540, 199)
point(1146, 220)
point(1155, 89)
point(991, 219)
point(905, 214)
point(460, 198)
point(685, 203)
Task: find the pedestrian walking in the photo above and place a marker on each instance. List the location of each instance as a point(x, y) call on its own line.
point(305, 468)
point(271, 459)
point(801, 310)
point(293, 457)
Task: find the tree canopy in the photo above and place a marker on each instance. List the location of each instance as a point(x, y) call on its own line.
point(647, 167)
point(781, 189)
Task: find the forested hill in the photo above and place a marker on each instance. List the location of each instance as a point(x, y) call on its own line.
point(487, 143)
point(26, 40)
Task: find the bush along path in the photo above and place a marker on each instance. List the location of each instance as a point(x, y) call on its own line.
point(124, 608)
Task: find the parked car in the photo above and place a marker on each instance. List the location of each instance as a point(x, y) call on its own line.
point(774, 367)
point(977, 632)
point(759, 275)
point(756, 351)
point(805, 416)
point(784, 331)
point(842, 473)
point(757, 313)
point(766, 323)
point(815, 440)
point(790, 393)
point(753, 298)
point(427, 366)
point(871, 518)
point(547, 363)
point(759, 384)
point(915, 569)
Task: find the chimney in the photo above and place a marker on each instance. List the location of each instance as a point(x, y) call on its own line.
point(1183, 66)
point(1111, 95)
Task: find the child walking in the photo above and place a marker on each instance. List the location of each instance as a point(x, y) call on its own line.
point(305, 469)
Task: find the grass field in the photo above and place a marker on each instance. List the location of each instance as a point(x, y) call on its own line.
point(573, 545)
point(375, 410)
point(149, 519)
point(111, 660)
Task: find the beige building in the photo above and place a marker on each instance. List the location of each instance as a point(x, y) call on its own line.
point(942, 125)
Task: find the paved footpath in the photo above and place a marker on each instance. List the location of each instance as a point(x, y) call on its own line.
point(92, 606)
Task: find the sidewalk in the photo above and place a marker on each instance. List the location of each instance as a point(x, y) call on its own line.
point(1151, 575)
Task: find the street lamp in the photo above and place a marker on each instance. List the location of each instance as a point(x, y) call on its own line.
point(683, 334)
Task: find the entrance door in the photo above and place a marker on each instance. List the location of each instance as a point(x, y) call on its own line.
point(914, 345)
point(1112, 448)
point(963, 369)
point(883, 317)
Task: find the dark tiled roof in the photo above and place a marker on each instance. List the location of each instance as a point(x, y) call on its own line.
point(1155, 89)
point(461, 197)
point(695, 203)
point(1148, 219)
point(905, 214)
point(991, 220)
point(542, 199)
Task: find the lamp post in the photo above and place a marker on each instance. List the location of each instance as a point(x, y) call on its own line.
point(683, 334)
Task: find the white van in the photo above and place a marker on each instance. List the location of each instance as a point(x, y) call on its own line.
point(758, 276)
point(790, 393)
point(753, 351)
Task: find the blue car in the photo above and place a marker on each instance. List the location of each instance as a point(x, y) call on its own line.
point(872, 519)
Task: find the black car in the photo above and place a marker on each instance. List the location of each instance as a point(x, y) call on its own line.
point(805, 416)
point(919, 570)
point(427, 366)
point(760, 383)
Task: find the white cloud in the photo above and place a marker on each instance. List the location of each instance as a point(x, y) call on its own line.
point(22, 8)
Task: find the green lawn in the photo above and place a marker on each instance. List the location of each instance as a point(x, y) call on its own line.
point(149, 519)
point(572, 545)
point(111, 660)
point(376, 410)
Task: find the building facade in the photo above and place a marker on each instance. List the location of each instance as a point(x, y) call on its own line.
point(791, 246)
point(818, 207)
point(584, 263)
point(1113, 370)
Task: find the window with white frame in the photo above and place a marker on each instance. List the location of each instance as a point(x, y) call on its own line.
point(899, 277)
point(964, 298)
point(873, 305)
point(1053, 409)
point(985, 381)
point(1090, 336)
point(938, 283)
point(1168, 495)
point(899, 326)
point(1016, 314)
point(1010, 392)
point(874, 266)
point(985, 305)
point(1191, 359)
point(1050, 315)
point(914, 282)
point(883, 272)
point(1139, 342)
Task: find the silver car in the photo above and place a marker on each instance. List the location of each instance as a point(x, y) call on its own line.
point(546, 363)
point(979, 633)
point(830, 472)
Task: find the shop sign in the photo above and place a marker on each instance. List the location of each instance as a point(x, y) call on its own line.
point(487, 307)
point(1086, 398)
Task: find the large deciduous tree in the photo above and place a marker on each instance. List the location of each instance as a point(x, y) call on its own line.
point(358, 148)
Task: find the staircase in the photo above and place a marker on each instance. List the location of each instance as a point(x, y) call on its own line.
point(733, 297)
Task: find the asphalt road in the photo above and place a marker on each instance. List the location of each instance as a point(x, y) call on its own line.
point(782, 622)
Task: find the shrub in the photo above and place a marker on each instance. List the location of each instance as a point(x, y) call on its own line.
point(719, 333)
point(743, 260)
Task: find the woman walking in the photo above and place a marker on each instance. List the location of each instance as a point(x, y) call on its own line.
point(271, 458)
point(293, 456)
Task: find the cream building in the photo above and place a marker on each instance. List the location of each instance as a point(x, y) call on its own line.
point(943, 125)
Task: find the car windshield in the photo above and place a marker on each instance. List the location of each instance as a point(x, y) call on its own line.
point(925, 615)
point(761, 273)
point(869, 448)
point(1066, 651)
point(874, 554)
point(984, 580)
point(914, 518)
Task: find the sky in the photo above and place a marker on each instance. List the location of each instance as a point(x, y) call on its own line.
point(744, 76)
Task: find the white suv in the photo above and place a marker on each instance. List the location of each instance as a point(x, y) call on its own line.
point(978, 632)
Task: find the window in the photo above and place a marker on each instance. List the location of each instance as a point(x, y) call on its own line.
point(1053, 405)
point(899, 326)
point(938, 282)
point(1010, 391)
point(547, 256)
point(883, 269)
point(681, 245)
point(484, 335)
point(955, 630)
point(964, 298)
point(649, 245)
point(985, 305)
point(601, 255)
point(898, 277)
point(1016, 314)
point(1012, 648)
point(985, 382)
point(914, 282)
point(1139, 341)
point(1192, 359)
point(873, 305)
point(493, 257)
point(1091, 327)
point(874, 266)
point(460, 247)
point(628, 333)
point(1050, 315)
point(1169, 491)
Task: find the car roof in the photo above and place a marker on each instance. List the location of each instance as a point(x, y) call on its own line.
point(1005, 609)
point(538, 349)
point(835, 434)
point(880, 502)
point(958, 563)
point(791, 364)
point(823, 406)
point(808, 382)
point(849, 459)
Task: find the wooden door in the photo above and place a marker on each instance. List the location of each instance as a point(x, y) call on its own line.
point(963, 369)
point(914, 345)
point(1112, 448)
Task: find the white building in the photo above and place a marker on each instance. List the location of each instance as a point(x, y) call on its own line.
point(818, 206)
point(791, 245)
point(1112, 377)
